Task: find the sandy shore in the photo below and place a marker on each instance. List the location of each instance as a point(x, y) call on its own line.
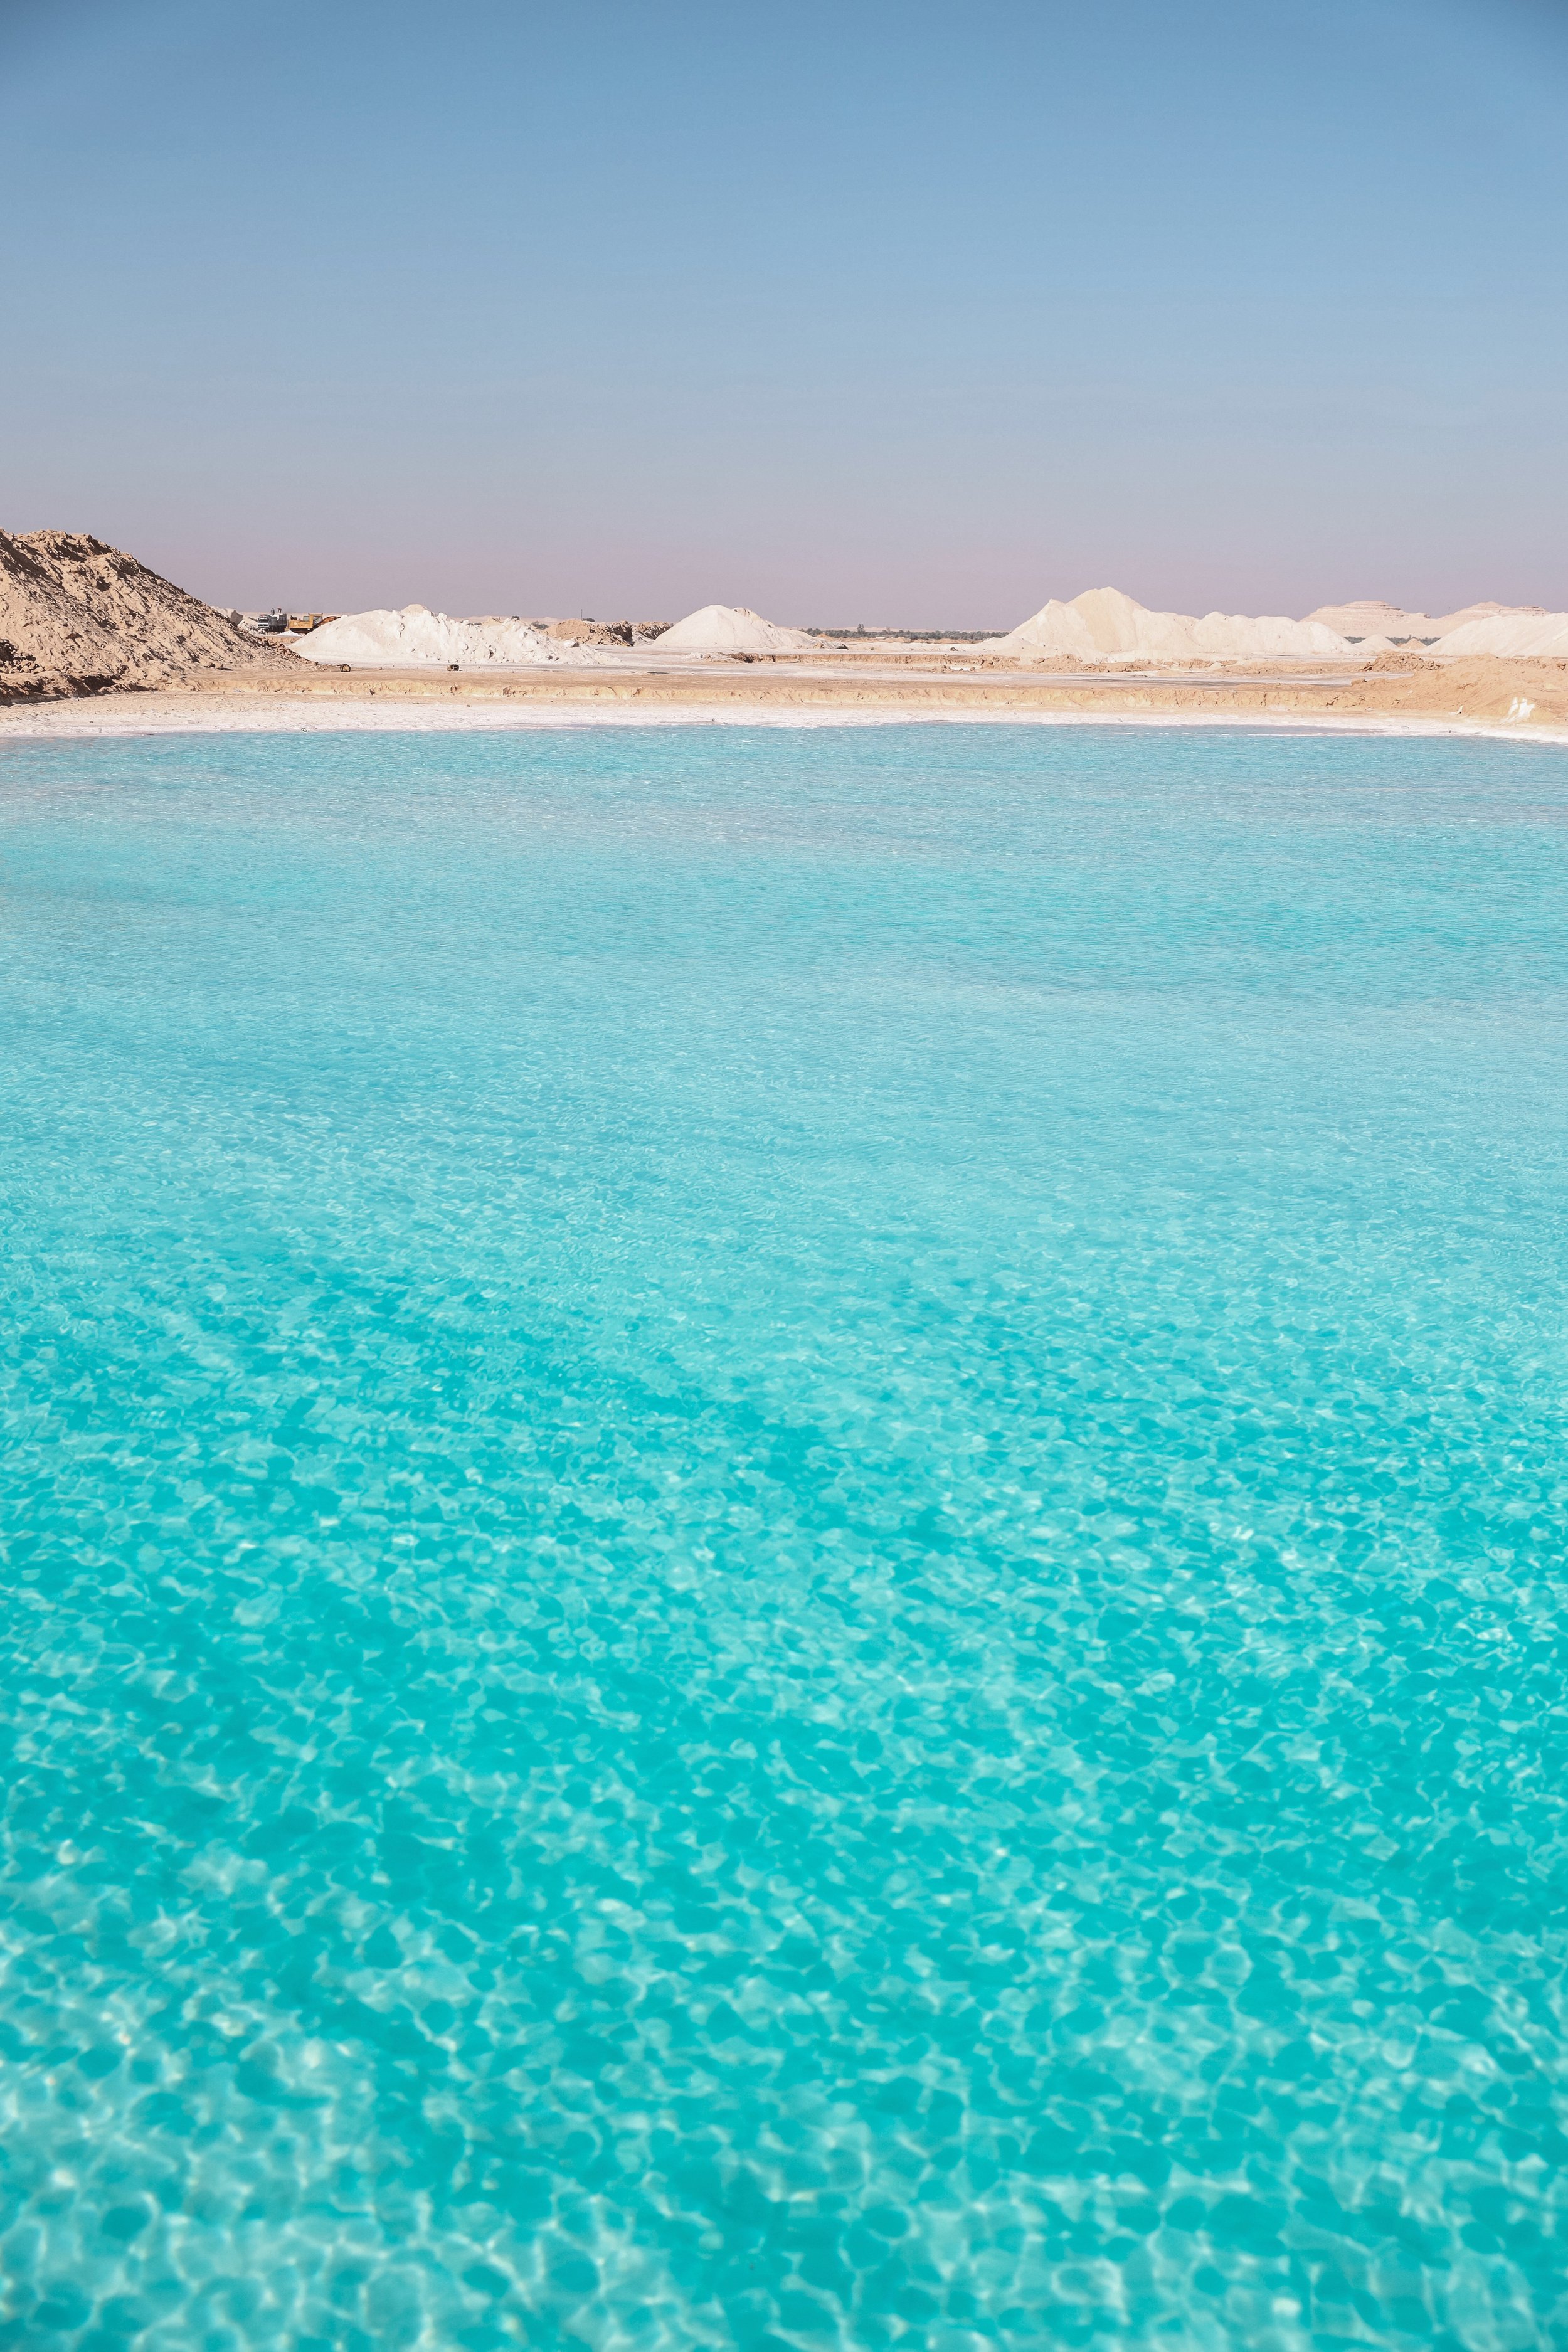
point(1524, 701)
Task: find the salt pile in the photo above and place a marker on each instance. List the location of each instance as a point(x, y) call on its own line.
point(1516, 636)
point(729, 629)
point(416, 635)
point(1102, 625)
point(1233, 636)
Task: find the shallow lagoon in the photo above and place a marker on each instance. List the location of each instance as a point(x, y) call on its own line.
point(785, 1542)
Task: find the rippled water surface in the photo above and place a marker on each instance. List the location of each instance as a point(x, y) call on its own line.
point(785, 1539)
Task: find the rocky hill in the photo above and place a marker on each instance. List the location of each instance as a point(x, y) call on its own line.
point(78, 617)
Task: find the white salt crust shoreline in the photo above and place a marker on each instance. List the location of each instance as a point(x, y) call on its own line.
point(77, 721)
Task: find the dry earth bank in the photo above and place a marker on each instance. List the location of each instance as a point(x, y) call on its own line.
point(1528, 697)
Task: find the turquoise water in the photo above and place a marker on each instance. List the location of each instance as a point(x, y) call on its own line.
point(785, 1534)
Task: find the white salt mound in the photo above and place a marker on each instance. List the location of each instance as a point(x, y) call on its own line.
point(1102, 625)
point(414, 636)
point(1516, 636)
point(729, 629)
point(1236, 637)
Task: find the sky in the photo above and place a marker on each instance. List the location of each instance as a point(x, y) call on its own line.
point(903, 315)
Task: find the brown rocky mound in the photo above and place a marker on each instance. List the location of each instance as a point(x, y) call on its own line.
point(1399, 661)
point(604, 633)
point(77, 616)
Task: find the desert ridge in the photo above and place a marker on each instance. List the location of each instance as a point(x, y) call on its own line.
point(1373, 618)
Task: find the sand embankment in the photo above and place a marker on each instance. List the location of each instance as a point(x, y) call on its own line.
point(1527, 700)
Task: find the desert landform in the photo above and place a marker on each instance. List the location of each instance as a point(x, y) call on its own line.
point(79, 618)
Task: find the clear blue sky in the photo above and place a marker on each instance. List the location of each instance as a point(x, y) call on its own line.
point(897, 313)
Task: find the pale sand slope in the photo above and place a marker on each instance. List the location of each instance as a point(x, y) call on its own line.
point(731, 629)
point(383, 639)
point(1104, 625)
point(78, 615)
